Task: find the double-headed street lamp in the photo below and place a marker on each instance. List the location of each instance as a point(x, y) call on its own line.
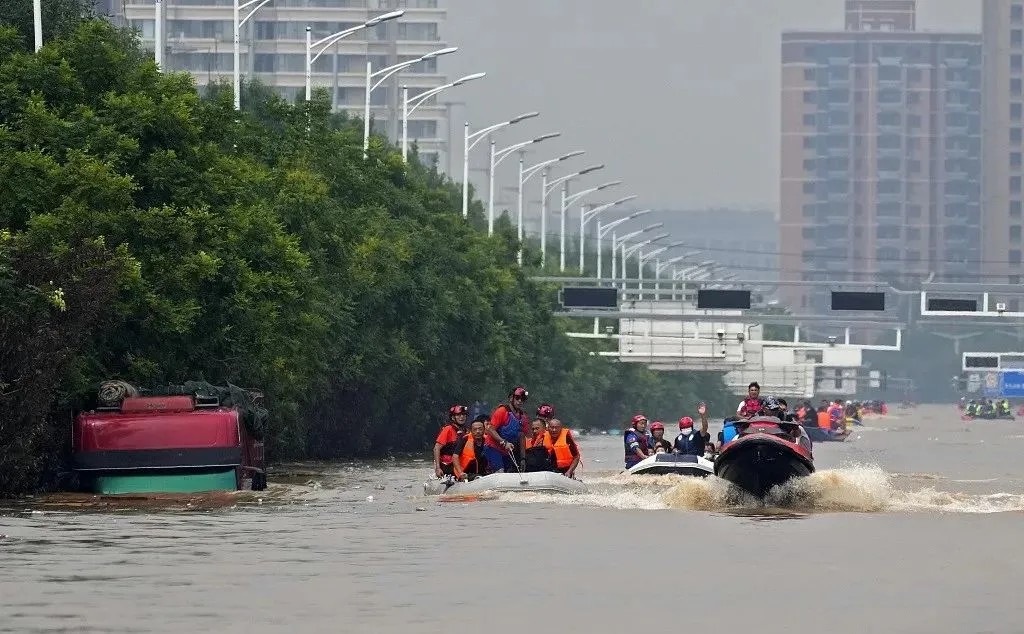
point(630, 250)
point(644, 257)
point(568, 200)
point(545, 190)
point(418, 100)
point(524, 175)
point(603, 230)
point(586, 216)
point(476, 137)
point(237, 23)
point(497, 156)
point(325, 43)
point(617, 245)
point(384, 73)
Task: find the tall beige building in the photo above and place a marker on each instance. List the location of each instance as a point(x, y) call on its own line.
point(199, 34)
point(1003, 198)
point(881, 151)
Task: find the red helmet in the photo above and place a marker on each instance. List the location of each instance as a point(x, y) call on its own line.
point(656, 425)
point(455, 410)
point(685, 421)
point(520, 392)
point(545, 411)
point(639, 418)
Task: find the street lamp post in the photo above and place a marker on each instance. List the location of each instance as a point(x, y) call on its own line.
point(660, 266)
point(418, 100)
point(603, 230)
point(325, 43)
point(497, 156)
point(587, 216)
point(238, 41)
point(628, 251)
point(469, 141)
point(568, 200)
point(644, 257)
point(525, 173)
point(384, 73)
point(37, 22)
point(623, 239)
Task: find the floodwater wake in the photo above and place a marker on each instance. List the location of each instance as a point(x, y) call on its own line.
point(854, 488)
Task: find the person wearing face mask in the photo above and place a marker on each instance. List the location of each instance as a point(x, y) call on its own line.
point(692, 442)
point(636, 441)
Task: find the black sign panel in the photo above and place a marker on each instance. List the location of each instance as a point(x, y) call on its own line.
point(850, 300)
point(956, 305)
point(582, 297)
point(732, 300)
point(981, 362)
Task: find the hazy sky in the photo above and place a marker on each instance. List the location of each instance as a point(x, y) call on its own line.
point(679, 98)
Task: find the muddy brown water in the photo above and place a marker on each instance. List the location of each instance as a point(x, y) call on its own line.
point(914, 524)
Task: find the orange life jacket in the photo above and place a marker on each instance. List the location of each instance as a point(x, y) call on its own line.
point(824, 421)
point(467, 458)
point(535, 440)
point(560, 448)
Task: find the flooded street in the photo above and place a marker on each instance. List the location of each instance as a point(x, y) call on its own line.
point(914, 524)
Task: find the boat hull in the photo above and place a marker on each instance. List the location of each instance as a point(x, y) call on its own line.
point(534, 481)
point(758, 461)
point(666, 463)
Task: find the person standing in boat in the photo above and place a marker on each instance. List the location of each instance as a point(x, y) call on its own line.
point(470, 460)
point(658, 441)
point(506, 433)
point(690, 442)
point(444, 446)
point(635, 441)
point(562, 447)
point(537, 457)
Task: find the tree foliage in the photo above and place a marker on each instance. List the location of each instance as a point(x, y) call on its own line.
point(194, 242)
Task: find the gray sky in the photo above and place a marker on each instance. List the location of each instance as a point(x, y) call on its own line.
point(679, 98)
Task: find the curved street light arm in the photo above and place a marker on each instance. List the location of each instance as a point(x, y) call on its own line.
point(533, 169)
point(418, 100)
point(589, 215)
point(477, 136)
point(260, 5)
point(636, 247)
point(334, 37)
point(559, 181)
point(586, 192)
point(504, 153)
point(391, 70)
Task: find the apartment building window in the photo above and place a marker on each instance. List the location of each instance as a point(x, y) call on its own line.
point(889, 164)
point(913, 257)
point(890, 186)
point(913, 211)
point(809, 187)
point(1015, 233)
point(1014, 256)
point(913, 233)
point(1015, 159)
point(1015, 62)
point(1016, 88)
point(810, 164)
point(808, 233)
point(1016, 13)
point(913, 121)
point(839, 117)
point(809, 119)
point(1015, 111)
point(808, 142)
point(810, 210)
point(1016, 38)
point(422, 129)
point(1015, 135)
point(1015, 184)
point(418, 31)
point(888, 209)
point(809, 96)
point(914, 75)
point(1015, 208)
point(809, 74)
point(890, 95)
point(889, 118)
point(888, 232)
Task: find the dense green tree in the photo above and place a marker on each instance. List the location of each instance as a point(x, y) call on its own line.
point(261, 248)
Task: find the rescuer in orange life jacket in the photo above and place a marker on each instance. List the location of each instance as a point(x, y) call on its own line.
point(469, 460)
point(537, 456)
point(444, 446)
point(563, 448)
